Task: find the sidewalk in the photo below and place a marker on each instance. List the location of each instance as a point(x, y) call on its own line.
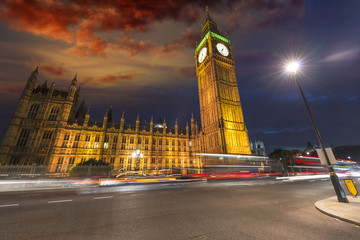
point(13, 185)
point(349, 212)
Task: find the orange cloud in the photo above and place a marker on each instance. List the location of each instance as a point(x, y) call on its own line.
point(45, 18)
point(114, 78)
point(81, 23)
point(53, 70)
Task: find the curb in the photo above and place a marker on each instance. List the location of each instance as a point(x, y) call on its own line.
point(336, 216)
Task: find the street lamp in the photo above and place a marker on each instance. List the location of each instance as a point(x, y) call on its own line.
point(137, 155)
point(292, 68)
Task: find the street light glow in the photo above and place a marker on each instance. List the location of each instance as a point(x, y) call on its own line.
point(134, 154)
point(293, 67)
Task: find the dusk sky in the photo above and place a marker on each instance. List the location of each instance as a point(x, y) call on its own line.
point(138, 56)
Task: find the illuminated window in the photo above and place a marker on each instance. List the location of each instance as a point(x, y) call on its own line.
point(96, 145)
point(106, 145)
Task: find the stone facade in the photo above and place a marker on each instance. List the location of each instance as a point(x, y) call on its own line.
point(50, 127)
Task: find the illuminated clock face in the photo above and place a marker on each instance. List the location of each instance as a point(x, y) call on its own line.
point(202, 54)
point(222, 49)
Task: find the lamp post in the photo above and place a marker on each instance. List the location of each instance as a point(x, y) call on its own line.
point(137, 155)
point(292, 69)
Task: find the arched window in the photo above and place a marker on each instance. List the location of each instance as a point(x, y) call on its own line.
point(54, 114)
point(33, 111)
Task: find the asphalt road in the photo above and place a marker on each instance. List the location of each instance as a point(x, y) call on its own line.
point(258, 209)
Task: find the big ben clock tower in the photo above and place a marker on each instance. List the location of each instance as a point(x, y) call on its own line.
point(222, 120)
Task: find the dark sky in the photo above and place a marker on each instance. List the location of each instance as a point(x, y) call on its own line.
point(138, 56)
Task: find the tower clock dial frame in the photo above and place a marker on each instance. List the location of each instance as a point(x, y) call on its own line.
point(202, 54)
point(222, 49)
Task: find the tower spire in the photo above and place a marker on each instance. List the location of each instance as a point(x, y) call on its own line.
point(74, 81)
point(209, 25)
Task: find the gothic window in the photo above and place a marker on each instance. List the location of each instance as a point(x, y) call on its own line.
point(97, 139)
point(23, 138)
point(139, 140)
point(59, 164)
point(77, 137)
point(160, 141)
point(33, 111)
point(72, 160)
point(106, 142)
point(87, 141)
point(66, 140)
point(146, 140)
point(154, 141)
point(131, 140)
point(152, 160)
point(66, 136)
point(124, 140)
point(45, 141)
point(87, 138)
point(54, 114)
point(123, 147)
